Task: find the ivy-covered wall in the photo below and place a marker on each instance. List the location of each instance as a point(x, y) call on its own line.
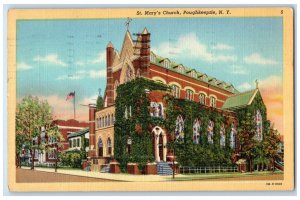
point(202, 154)
point(258, 152)
point(133, 120)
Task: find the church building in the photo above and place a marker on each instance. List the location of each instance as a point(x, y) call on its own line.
point(136, 60)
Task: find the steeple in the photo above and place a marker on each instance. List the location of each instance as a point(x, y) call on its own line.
point(145, 31)
point(110, 45)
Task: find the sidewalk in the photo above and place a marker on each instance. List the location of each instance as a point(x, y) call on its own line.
point(152, 178)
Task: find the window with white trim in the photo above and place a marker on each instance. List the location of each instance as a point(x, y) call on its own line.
point(175, 91)
point(213, 101)
point(202, 98)
point(189, 95)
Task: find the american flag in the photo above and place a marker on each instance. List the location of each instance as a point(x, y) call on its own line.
point(71, 95)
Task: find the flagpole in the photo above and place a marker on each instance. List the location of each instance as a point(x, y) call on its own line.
point(74, 105)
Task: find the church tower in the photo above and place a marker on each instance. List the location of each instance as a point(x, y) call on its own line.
point(109, 74)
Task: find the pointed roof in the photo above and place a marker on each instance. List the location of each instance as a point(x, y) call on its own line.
point(110, 45)
point(145, 31)
point(239, 100)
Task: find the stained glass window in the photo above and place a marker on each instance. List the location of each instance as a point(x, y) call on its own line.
point(179, 129)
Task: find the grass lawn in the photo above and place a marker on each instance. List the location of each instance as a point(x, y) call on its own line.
point(188, 177)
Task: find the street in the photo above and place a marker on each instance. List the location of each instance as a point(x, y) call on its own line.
point(34, 176)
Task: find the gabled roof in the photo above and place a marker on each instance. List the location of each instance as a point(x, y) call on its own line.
point(239, 100)
point(79, 133)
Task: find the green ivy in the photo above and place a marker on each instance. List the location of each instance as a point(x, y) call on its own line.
point(133, 95)
point(139, 124)
point(203, 154)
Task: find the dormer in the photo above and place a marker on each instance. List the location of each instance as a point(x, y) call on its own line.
point(230, 88)
point(193, 73)
point(221, 84)
point(179, 68)
point(212, 80)
point(203, 77)
point(166, 63)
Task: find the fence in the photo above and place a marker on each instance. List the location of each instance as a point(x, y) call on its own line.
point(210, 169)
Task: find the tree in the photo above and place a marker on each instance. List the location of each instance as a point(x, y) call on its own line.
point(31, 115)
point(57, 138)
point(246, 134)
point(271, 145)
point(100, 102)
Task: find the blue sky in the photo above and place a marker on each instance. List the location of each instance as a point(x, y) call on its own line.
point(55, 57)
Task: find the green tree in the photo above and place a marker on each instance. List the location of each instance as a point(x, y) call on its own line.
point(31, 115)
point(246, 134)
point(100, 102)
point(57, 138)
point(271, 143)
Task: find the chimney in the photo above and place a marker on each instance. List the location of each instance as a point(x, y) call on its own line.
point(145, 52)
point(92, 145)
point(109, 75)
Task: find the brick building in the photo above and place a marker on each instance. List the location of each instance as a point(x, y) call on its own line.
point(135, 59)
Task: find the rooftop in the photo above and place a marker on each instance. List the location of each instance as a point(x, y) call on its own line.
point(239, 100)
point(191, 73)
point(79, 133)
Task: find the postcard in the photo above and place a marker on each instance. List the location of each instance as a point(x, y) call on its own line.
point(150, 99)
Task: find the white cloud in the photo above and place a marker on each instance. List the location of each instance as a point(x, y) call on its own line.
point(190, 46)
point(80, 63)
point(258, 59)
point(222, 46)
point(101, 57)
point(23, 66)
point(238, 70)
point(83, 74)
point(244, 86)
point(50, 58)
point(88, 100)
point(97, 74)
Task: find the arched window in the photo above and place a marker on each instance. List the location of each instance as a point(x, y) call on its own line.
point(232, 136)
point(70, 143)
point(175, 91)
point(202, 98)
point(112, 119)
point(196, 131)
point(100, 148)
point(109, 147)
point(103, 122)
point(108, 120)
point(259, 127)
point(212, 101)
point(100, 122)
point(179, 128)
point(129, 74)
point(222, 136)
point(210, 132)
point(189, 95)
